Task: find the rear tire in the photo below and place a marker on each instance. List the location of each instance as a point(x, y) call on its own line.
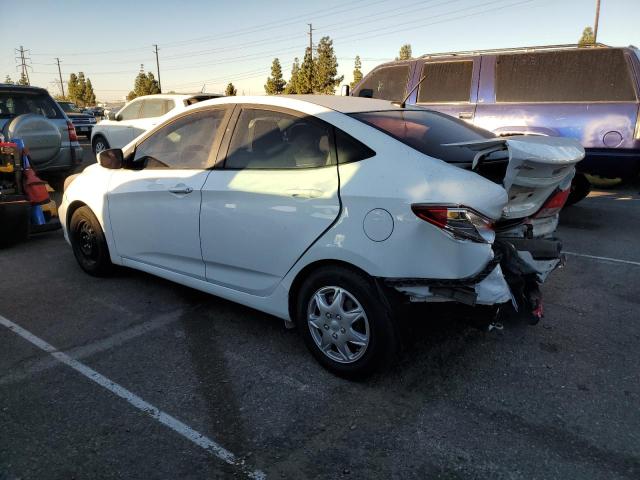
point(99, 144)
point(89, 243)
point(344, 341)
point(580, 188)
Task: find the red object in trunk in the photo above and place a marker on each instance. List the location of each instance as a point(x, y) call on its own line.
point(34, 188)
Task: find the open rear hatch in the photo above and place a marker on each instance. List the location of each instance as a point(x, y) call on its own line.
point(530, 168)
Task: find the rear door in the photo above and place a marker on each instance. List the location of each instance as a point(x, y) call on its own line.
point(449, 86)
point(587, 94)
point(276, 193)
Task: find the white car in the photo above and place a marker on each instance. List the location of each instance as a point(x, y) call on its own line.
point(138, 116)
point(328, 212)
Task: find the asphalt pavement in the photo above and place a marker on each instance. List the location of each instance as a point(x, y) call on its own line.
point(155, 381)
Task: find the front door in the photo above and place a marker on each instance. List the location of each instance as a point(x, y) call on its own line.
point(276, 194)
point(155, 210)
point(120, 132)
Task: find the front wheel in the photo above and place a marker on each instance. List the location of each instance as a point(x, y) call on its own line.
point(345, 323)
point(88, 243)
point(99, 144)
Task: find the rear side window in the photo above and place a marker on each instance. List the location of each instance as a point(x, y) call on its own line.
point(155, 107)
point(428, 132)
point(13, 104)
point(445, 82)
point(266, 139)
point(564, 76)
point(350, 149)
point(386, 83)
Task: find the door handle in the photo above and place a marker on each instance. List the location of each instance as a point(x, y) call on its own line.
point(181, 190)
point(304, 193)
point(465, 115)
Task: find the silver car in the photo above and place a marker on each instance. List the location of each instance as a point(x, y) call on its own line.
point(31, 114)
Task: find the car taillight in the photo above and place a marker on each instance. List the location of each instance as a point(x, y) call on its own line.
point(73, 137)
point(553, 204)
point(459, 222)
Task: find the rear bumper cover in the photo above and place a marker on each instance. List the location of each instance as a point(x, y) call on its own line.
point(518, 267)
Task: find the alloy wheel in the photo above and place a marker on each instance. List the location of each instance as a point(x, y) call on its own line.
point(338, 324)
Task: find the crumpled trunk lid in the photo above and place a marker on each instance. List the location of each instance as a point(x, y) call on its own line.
point(535, 167)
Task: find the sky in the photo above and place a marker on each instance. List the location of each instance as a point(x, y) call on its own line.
point(206, 44)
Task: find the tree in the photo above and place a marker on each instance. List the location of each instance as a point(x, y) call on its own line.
point(275, 83)
point(325, 74)
point(305, 81)
point(72, 86)
point(23, 79)
point(405, 52)
point(144, 84)
point(89, 95)
point(357, 71)
point(8, 80)
point(81, 91)
point(292, 84)
point(587, 37)
point(231, 91)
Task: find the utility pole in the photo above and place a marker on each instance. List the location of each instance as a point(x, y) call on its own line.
point(158, 67)
point(311, 29)
point(23, 63)
point(60, 74)
point(595, 27)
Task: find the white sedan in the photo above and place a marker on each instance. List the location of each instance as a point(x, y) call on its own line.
point(328, 212)
point(138, 116)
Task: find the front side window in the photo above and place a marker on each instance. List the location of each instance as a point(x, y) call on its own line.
point(445, 82)
point(130, 112)
point(386, 83)
point(184, 144)
point(265, 139)
point(428, 132)
point(582, 75)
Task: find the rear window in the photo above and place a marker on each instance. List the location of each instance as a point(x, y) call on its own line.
point(445, 82)
point(13, 104)
point(564, 76)
point(386, 83)
point(427, 132)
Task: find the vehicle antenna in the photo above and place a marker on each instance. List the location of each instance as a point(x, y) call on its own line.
point(402, 104)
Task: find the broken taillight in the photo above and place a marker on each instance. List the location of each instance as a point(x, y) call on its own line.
point(461, 223)
point(73, 136)
point(553, 204)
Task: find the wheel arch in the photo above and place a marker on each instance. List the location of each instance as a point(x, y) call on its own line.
point(73, 206)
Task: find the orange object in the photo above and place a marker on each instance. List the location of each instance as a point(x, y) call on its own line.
point(34, 188)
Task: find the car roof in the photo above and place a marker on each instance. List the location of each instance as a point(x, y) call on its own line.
point(177, 96)
point(23, 88)
point(332, 102)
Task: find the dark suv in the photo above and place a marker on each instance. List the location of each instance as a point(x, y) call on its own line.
point(590, 94)
point(31, 114)
point(83, 122)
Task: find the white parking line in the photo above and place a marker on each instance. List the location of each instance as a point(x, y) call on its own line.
point(41, 364)
point(604, 259)
point(134, 400)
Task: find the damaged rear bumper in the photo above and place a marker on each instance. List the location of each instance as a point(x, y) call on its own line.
point(518, 267)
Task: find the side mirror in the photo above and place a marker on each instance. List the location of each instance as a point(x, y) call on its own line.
point(366, 92)
point(345, 90)
point(111, 159)
point(111, 115)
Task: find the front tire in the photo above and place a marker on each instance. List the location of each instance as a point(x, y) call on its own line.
point(344, 322)
point(89, 243)
point(99, 144)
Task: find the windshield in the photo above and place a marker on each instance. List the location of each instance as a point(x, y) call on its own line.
point(69, 107)
point(427, 132)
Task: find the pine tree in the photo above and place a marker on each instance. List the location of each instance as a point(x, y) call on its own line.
point(72, 87)
point(8, 80)
point(405, 52)
point(305, 80)
point(81, 91)
point(275, 83)
point(144, 84)
point(231, 91)
point(357, 72)
point(325, 75)
point(23, 79)
point(152, 85)
point(292, 85)
point(89, 95)
point(587, 37)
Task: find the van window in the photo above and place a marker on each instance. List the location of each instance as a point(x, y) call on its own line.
point(386, 83)
point(445, 82)
point(564, 76)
